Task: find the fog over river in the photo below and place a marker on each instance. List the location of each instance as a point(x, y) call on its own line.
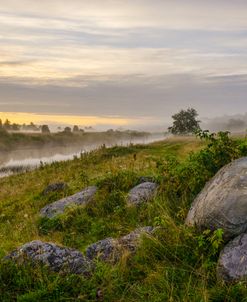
point(23, 160)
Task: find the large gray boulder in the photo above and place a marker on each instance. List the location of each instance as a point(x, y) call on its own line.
point(58, 207)
point(223, 201)
point(232, 264)
point(142, 193)
point(58, 259)
point(111, 250)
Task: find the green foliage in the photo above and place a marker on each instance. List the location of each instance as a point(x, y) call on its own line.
point(121, 180)
point(176, 263)
point(185, 122)
point(184, 180)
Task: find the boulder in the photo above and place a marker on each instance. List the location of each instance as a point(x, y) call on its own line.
point(58, 259)
point(111, 250)
point(55, 187)
point(232, 264)
point(142, 193)
point(223, 201)
point(58, 207)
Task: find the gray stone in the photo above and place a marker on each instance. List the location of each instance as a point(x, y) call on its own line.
point(105, 250)
point(111, 250)
point(232, 264)
point(142, 193)
point(58, 259)
point(131, 241)
point(55, 187)
point(58, 207)
point(223, 201)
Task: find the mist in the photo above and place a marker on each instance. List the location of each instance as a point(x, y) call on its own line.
point(232, 123)
point(23, 160)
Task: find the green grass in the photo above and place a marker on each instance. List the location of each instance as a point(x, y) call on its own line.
point(169, 266)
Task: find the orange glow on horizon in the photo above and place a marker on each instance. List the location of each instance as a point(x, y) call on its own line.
point(22, 117)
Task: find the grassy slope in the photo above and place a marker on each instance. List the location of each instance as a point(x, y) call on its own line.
point(168, 267)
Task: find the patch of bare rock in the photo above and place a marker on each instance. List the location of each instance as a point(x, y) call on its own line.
point(58, 207)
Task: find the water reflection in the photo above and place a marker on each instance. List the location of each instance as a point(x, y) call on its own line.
point(28, 159)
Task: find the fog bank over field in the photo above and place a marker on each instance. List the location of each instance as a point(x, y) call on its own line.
point(233, 123)
point(26, 158)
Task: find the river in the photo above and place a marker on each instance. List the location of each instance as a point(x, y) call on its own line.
point(24, 160)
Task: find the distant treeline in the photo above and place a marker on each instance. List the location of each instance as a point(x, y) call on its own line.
point(8, 126)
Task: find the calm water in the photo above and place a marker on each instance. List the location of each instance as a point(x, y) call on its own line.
point(29, 159)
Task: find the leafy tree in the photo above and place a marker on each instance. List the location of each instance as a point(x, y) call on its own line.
point(67, 130)
point(7, 125)
point(45, 129)
point(185, 122)
point(76, 128)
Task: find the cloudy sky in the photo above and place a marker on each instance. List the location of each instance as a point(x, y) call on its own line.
point(128, 63)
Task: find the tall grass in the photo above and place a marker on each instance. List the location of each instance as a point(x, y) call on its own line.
point(174, 264)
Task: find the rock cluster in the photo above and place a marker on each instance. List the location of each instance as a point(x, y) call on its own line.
point(67, 260)
point(223, 204)
point(70, 261)
point(111, 250)
point(57, 258)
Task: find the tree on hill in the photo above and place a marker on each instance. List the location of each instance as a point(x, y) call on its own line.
point(185, 122)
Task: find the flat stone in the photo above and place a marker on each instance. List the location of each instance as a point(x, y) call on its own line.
point(223, 201)
point(105, 250)
point(142, 193)
point(111, 250)
point(58, 207)
point(132, 240)
point(232, 264)
point(57, 258)
point(55, 187)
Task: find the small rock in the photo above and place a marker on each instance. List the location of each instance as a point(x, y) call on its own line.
point(58, 259)
point(142, 193)
point(111, 250)
point(232, 264)
point(58, 207)
point(55, 187)
point(105, 250)
point(130, 241)
point(223, 201)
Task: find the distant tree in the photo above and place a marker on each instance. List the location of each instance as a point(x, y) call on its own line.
point(185, 122)
point(45, 129)
point(1, 124)
point(15, 127)
point(76, 128)
point(67, 130)
point(7, 125)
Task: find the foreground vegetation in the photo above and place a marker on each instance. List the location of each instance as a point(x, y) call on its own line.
point(176, 264)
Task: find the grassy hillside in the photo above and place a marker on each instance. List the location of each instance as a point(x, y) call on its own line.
point(176, 264)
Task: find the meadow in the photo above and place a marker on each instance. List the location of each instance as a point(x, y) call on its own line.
point(175, 264)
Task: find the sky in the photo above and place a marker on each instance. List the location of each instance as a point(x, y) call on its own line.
point(121, 63)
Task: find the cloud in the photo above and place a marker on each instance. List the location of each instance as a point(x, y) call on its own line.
point(135, 58)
